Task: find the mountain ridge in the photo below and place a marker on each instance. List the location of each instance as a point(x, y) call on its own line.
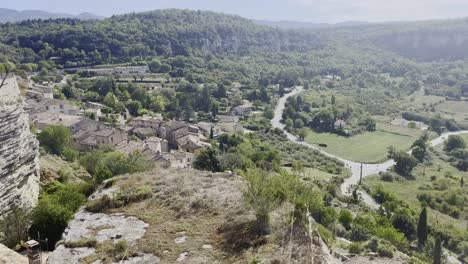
point(11, 15)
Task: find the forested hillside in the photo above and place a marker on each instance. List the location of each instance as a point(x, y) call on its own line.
point(142, 35)
point(424, 41)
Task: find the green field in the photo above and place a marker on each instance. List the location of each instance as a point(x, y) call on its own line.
point(367, 147)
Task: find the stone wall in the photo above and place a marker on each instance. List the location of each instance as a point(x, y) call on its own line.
point(19, 152)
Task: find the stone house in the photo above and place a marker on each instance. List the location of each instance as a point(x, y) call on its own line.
point(231, 127)
point(40, 92)
point(147, 121)
point(191, 143)
point(89, 140)
point(175, 159)
point(205, 129)
point(150, 147)
point(41, 120)
point(58, 106)
point(244, 109)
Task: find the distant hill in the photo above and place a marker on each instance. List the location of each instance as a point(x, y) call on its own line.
point(285, 24)
point(162, 32)
point(10, 15)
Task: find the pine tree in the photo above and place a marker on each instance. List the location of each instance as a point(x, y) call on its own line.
point(438, 251)
point(422, 227)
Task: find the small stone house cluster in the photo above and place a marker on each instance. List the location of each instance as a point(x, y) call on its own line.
point(88, 135)
point(180, 141)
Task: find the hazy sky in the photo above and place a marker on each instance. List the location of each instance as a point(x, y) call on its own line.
point(301, 10)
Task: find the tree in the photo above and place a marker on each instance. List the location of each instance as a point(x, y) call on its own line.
point(14, 227)
point(345, 218)
point(405, 163)
point(403, 222)
point(289, 123)
point(418, 153)
point(211, 133)
point(214, 109)
point(298, 123)
point(422, 229)
point(207, 160)
point(261, 197)
point(454, 142)
point(154, 66)
point(437, 251)
point(55, 139)
point(419, 148)
point(302, 133)
point(56, 207)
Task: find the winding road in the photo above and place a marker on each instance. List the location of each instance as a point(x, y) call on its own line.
point(354, 167)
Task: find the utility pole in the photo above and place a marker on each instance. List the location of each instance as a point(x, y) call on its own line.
point(360, 178)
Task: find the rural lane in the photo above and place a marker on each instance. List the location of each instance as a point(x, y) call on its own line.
point(354, 167)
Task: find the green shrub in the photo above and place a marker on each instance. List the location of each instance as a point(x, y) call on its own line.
point(345, 218)
point(119, 199)
point(69, 154)
point(84, 242)
point(55, 139)
point(57, 204)
point(104, 164)
point(385, 252)
point(355, 248)
point(325, 234)
point(99, 205)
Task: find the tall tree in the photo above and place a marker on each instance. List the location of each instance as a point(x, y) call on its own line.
point(422, 227)
point(437, 251)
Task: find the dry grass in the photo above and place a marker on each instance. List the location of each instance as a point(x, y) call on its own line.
point(207, 209)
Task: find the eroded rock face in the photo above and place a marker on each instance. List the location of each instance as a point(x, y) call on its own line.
point(19, 153)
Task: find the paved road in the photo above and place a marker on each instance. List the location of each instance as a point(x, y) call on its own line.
point(355, 167)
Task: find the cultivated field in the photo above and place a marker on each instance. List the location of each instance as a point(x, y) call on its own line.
point(367, 147)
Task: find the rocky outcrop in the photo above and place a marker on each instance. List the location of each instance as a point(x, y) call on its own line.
point(19, 152)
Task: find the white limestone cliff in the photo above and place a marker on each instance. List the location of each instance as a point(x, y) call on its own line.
point(19, 152)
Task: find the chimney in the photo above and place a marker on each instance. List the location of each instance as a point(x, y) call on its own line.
point(33, 251)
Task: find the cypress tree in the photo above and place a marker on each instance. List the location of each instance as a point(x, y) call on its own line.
point(422, 227)
point(211, 133)
point(437, 251)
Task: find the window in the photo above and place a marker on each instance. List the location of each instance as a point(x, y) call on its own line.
point(61, 106)
point(47, 107)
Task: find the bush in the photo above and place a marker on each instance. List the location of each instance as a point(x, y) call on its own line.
point(387, 176)
point(359, 233)
point(104, 164)
point(120, 199)
point(385, 252)
point(84, 242)
point(14, 227)
point(69, 154)
point(54, 139)
point(355, 248)
point(345, 218)
point(56, 207)
point(99, 205)
point(325, 234)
